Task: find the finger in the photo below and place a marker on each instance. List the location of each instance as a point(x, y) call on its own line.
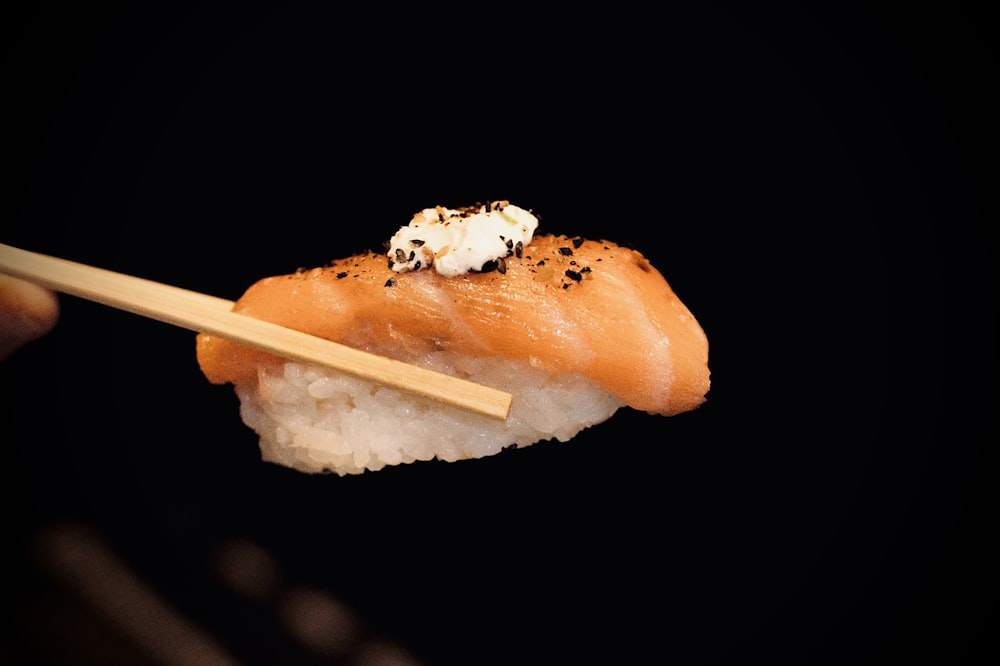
point(27, 312)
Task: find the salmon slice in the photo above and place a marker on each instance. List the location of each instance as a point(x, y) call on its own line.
point(566, 305)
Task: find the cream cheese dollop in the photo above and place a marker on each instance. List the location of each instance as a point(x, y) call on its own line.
point(456, 241)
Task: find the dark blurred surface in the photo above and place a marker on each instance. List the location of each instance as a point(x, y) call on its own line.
point(814, 185)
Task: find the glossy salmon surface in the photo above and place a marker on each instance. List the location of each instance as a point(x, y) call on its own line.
point(568, 305)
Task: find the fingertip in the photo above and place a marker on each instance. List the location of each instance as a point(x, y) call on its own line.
point(27, 312)
point(41, 308)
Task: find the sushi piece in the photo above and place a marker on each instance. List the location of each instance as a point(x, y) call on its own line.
point(573, 328)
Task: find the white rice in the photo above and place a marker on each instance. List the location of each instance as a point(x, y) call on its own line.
point(318, 420)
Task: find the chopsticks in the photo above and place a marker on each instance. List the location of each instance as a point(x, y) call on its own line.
point(209, 314)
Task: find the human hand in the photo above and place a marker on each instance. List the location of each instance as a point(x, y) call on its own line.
point(27, 312)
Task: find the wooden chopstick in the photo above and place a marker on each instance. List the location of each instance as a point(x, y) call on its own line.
point(209, 314)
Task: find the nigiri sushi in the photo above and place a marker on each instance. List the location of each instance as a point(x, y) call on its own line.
point(573, 328)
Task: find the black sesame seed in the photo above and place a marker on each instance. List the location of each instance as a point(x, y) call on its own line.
point(400, 256)
point(573, 275)
point(489, 267)
point(391, 282)
point(341, 275)
point(577, 242)
point(565, 251)
point(502, 266)
point(416, 242)
point(519, 249)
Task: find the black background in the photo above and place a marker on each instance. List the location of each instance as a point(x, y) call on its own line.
point(817, 186)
